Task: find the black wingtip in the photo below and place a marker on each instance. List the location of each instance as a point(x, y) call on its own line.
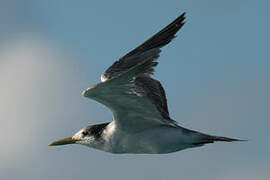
point(183, 14)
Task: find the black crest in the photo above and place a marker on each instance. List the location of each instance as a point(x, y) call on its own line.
point(94, 130)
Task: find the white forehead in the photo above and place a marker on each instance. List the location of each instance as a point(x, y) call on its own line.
point(78, 135)
point(84, 140)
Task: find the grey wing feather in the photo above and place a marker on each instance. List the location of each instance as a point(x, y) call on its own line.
point(153, 90)
point(127, 88)
point(137, 101)
point(157, 41)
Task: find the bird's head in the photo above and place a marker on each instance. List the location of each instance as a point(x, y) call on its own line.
point(90, 136)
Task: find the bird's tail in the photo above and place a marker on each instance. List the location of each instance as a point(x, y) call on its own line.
point(220, 138)
point(210, 139)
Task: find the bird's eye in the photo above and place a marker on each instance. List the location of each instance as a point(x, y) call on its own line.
point(84, 133)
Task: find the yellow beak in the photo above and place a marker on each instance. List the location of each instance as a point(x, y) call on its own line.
point(63, 141)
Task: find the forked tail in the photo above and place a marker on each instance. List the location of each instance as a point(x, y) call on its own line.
point(220, 138)
point(210, 139)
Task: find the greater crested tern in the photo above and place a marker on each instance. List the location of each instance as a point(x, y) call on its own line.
point(141, 121)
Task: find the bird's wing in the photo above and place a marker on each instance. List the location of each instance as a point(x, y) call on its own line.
point(134, 57)
point(136, 99)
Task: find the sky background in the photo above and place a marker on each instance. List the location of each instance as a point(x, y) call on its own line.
point(216, 74)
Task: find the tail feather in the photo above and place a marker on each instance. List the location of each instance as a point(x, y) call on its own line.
point(226, 139)
point(201, 138)
point(212, 139)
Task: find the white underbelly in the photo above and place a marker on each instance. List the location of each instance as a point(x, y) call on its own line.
point(153, 141)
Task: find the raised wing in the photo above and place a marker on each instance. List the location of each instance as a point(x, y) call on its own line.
point(137, 100)
point(134, 57)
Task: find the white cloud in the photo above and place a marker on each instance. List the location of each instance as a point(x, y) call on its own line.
point(33, 76)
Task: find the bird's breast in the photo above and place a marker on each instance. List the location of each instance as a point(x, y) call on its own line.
point(156, 140)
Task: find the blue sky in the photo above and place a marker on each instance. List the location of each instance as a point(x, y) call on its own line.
point(216, 75)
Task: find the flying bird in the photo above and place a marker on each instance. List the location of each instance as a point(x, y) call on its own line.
point(141, 121)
